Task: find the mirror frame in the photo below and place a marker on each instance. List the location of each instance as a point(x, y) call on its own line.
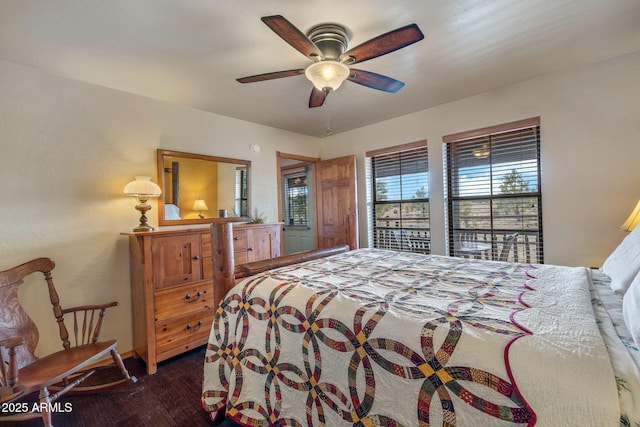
point(160, 156)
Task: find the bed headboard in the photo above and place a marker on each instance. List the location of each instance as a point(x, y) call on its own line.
point(226, 273)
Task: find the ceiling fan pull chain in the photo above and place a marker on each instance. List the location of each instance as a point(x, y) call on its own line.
point(328, 121)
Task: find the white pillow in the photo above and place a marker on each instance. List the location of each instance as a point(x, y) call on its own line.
point(624, 262)
point(171, 211)
point(631, 309)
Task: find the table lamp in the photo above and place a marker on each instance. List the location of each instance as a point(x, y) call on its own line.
point(200, 205)
point(633, 219)
point(142, 188)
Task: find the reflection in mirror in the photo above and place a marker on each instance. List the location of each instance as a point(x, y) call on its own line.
point(197, 188)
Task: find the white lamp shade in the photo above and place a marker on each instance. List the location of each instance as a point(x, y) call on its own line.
point(633, 219)
point(327, 74)
point(142, 186)
point(200, 205)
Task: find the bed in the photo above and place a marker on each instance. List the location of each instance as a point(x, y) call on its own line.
point(374, 337)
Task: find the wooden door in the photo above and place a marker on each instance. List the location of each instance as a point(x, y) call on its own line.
point(176, 260)
point(337, 202)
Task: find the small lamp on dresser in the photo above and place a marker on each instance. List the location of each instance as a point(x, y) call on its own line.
point(200, 205)
point(142, 188)
point(633, 219)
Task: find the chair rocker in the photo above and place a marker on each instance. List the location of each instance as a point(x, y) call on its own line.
point(22, 373)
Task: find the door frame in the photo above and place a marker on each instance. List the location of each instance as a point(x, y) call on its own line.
point(303, 160)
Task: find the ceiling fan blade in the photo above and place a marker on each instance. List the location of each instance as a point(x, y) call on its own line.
point(317, 98)
point(292, 35)
point(375, 81)
point(270, 76)
point(383, 44)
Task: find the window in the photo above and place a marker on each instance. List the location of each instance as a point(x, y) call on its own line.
point(296, 198)
point(493, 193)
point(241, 192)
point(399, 198)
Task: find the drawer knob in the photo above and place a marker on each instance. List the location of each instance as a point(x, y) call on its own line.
point(190, 299)
point(196, 257)
point(249, 249)
point(236, 238)
point(194, 328)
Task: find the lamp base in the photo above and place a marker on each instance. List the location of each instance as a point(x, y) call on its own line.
point(143, 208)
point(144, 228)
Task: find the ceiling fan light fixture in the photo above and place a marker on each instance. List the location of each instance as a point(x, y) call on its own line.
point(327, 75)
point(482, 152)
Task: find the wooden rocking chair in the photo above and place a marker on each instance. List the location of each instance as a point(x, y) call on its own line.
point(22, 372)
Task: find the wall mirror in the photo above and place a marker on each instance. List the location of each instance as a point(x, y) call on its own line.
point(199, 189)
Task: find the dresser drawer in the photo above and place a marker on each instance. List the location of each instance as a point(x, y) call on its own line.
point(182, 300)
point(240, 257)
point(239, 240)
point(174, 333)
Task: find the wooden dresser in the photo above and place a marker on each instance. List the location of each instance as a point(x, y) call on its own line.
point(172, 289)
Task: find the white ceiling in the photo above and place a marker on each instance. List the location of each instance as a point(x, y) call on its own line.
point(189, 52)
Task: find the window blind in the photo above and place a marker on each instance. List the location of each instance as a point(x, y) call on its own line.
point(241, 192)
point(400, 199)
point(493, 192)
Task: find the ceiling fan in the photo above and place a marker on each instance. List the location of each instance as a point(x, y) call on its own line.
point(326, 45)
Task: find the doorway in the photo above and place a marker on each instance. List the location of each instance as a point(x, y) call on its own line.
point(297, 207)
point(332, 203)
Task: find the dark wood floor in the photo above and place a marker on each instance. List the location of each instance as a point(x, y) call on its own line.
point(170, 397)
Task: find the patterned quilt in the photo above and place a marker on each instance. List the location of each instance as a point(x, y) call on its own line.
point(625, 355)
point(374, 337)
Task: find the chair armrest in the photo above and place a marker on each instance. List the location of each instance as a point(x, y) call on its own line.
point(12, 342)
point(90, 307)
